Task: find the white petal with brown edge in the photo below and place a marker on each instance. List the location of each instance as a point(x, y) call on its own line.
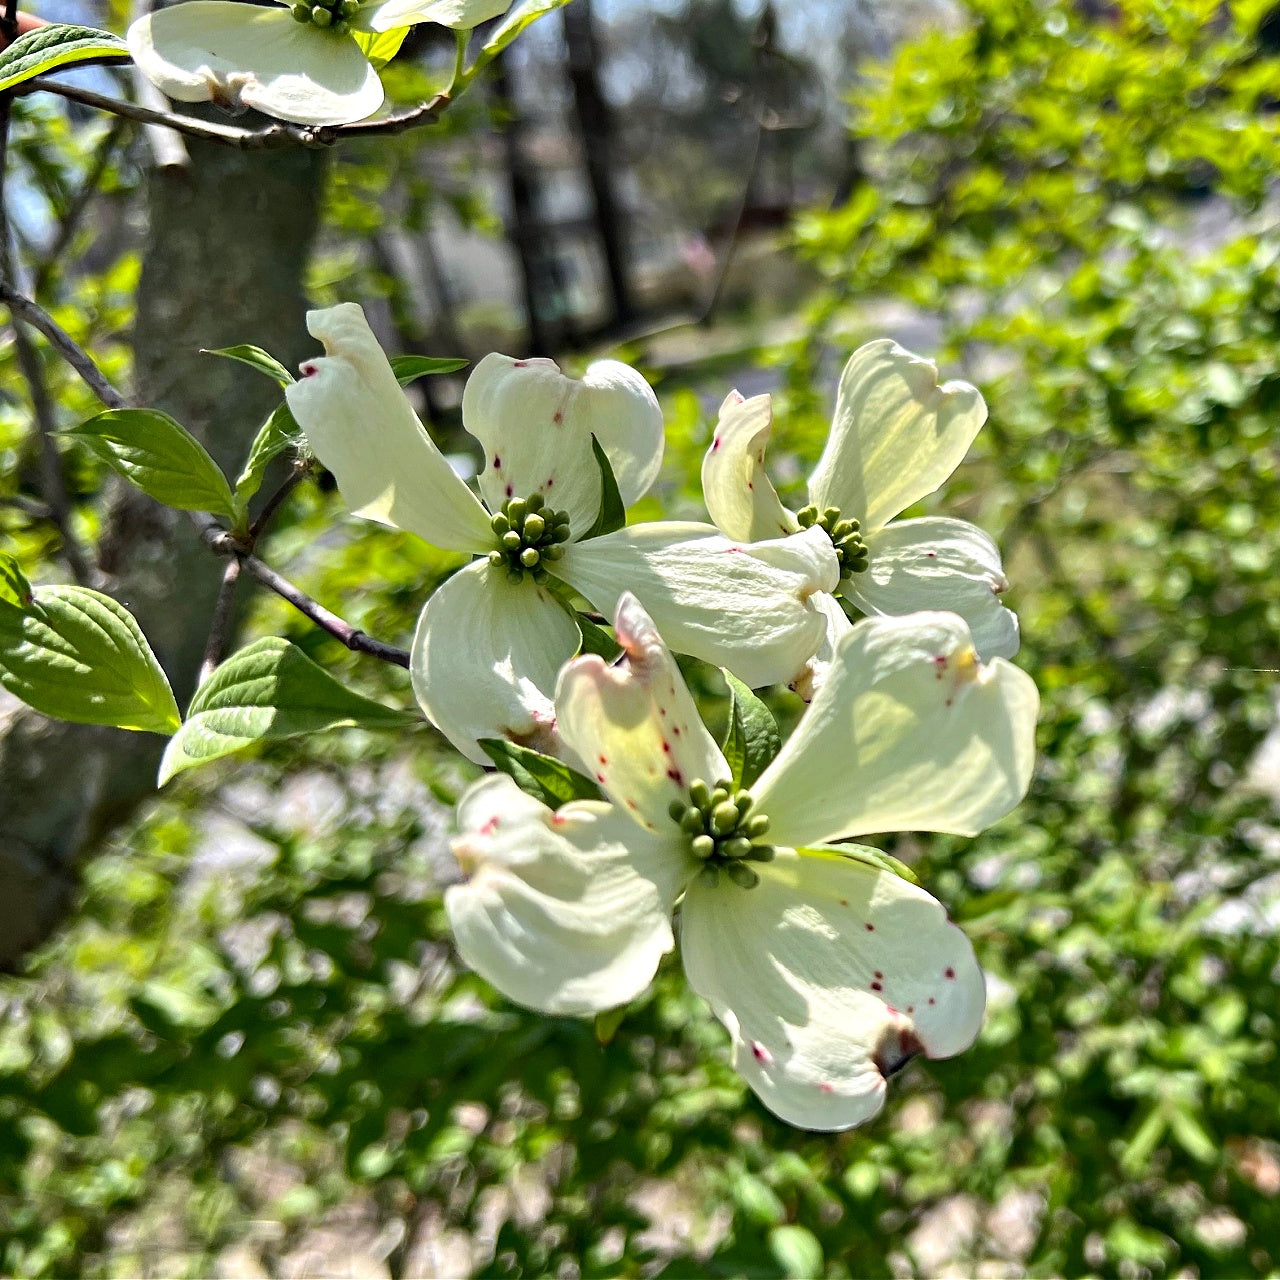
point(829, 976)
point(239, 55)
point(938, 563)
point(635, 725)
point(566, 912)
point(745, 606)
point(896, 434)
point(739, 495)
point(357, 420)
point(535, 426)
point(909, 732)
point(485, 659)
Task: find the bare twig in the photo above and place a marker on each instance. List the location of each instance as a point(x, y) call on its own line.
point(272, 137)
point(223, 543)
point(23, 308)
point(274, 503)
point(29, 507)
point(216, 647)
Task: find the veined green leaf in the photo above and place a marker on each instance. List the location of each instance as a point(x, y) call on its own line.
point(14, 587)
point(255, 358)
point(613, 514)
point(75, 654)
point(410, 368)
point(543, 777)
point(751, 739)
point(57, 45)
point(268, 690)
point(870, 857)
point(277, 435)
point(160, 456)
point(381, 46)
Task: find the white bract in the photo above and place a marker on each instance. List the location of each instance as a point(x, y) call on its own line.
point(303, 62)
point(896, 436)
point(828, 971)
point(491, 641)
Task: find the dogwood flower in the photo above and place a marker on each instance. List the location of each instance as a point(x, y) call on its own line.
point(896, 436)
point(303, 62)
point(828, 971)
point(491, 641)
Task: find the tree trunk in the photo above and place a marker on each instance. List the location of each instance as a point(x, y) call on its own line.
point(228, 242)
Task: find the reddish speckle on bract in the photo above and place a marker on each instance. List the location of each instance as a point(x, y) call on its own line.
point(760, 1053)
point(310, 370)
point(951, 973)
point(490, 826)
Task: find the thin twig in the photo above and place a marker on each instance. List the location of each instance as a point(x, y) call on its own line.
point(79, 203)
point(30, 507)
point(272, 137)
point(23, 308)
point(274, 503)
point(219, 628)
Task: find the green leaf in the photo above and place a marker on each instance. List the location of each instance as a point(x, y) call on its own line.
point(57, 45)
point(160, 456)
point(1191, 1135)
point(78, 655)
point(595, 639)
point(380, 47)
point(543, 777)
point(277, 435)
point(255, 358)
point(521, 17)
point(613, 515)
point(266, 691)
point(410, 368)
point(608, 1022)
point(797, 1251)
point(751, 739)
point(876, 858)
point(14, 586)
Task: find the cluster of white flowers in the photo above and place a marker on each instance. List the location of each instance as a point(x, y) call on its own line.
point(828, 969)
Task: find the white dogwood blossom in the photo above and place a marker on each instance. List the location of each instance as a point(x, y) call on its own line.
point(304, 62)
point(828, 971)
point(895, 437)
point(490, 642)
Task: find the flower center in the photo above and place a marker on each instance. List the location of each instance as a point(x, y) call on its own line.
point(845, 535)
point(722, 831)
point(332, 15)
point(530, 536)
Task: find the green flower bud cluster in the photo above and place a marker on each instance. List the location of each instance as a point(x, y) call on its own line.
point(332, 15)
point(530, 536)
point(845, 535)
point(722, 831)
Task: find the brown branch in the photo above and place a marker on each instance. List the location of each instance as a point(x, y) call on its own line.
point(219, 627)
point(272, 137)
point(221, 542)
point(23, 308)
point(301, 468)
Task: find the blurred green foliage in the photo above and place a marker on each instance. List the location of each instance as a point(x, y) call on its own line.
point(254, 1024)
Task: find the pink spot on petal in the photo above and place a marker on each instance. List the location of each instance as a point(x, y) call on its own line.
point(715, 444)
point(520, 364)
point(879, 974)
point(930, 555)
point(733, 551)
point(676, 776)
point(599, 777)
point(557, 417)
point(932, 1000)
point(497, 462)
point(310, 370)
point(558, 820)
point(510, 491)
point(870, 928)
point(950, 972)
point(490, 827)
point(826, 1087)
point(760, 1053)
point(751, 485)
point(875, 986)
point(604, 759)
point(666, 747)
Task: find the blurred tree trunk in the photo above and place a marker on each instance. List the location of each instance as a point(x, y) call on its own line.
point(595, 125)
point(229, 238)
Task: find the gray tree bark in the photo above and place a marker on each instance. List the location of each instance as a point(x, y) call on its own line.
point(227, 245)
